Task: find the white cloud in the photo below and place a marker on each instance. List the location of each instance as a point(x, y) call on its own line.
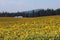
point(22, 5)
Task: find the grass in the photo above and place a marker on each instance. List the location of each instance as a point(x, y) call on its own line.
point(40, 28)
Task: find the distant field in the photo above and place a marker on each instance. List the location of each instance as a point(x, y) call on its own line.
point(39, 28)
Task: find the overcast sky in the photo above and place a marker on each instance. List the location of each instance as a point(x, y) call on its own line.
point(24, 5)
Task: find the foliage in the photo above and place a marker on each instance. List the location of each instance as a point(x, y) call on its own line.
point(32, 13)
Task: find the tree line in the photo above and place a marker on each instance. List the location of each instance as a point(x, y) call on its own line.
point(32, 13)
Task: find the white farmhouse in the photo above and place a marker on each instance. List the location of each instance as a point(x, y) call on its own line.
point(18, 16)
